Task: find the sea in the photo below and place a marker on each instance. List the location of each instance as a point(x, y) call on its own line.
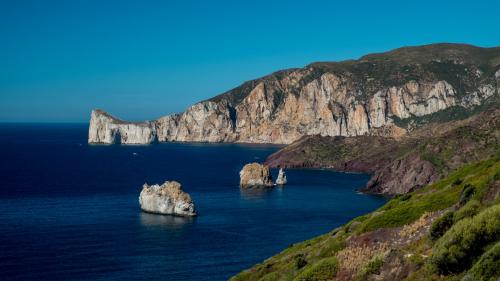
point(70, 210)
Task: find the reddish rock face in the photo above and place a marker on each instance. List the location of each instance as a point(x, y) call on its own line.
point(402, 176)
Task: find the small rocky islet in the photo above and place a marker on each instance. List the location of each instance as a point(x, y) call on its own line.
point(259, 175)
point(170, 199)
point(166, 199)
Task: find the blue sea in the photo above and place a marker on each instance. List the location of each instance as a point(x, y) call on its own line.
point(70, 211)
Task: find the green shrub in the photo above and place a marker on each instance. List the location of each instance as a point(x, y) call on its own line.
point(467, 193)
point(458, 181)
point(488, 266)
point(405, 197)
point(372, 267)
point(464, 241)
point(323, 270)
point(440, 226)
point(468, 210)
point(300, 261)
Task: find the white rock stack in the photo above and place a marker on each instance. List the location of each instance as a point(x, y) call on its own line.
point(166, 199)
point(255, 175)
point(107, 129)
point(281, 180)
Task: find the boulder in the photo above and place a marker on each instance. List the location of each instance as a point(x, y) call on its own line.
point(166, 199)
point(255, 175)
point(281, 180)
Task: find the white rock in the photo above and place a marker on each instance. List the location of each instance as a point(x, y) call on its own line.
point(281, 180)
point(167, 199)
point(107, 129)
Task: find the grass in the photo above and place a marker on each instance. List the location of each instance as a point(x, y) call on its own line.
point(372, 267)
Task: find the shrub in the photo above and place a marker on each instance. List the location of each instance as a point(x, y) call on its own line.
point(372, 267)
point(464, 241)
point(467, 193)
point(469, 210)
point(488, 266)
point(300, 261)
point(405, 197)
point(440, 226)
point(323, 270)
point(458, 181)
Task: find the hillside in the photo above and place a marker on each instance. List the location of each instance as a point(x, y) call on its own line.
point(449, 230)
point(400, 165)
point(387, 94)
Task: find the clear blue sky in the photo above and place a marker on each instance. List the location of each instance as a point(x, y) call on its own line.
point(145, 59)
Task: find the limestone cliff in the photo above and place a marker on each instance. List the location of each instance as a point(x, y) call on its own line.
point(381, 94)
point(105, 128)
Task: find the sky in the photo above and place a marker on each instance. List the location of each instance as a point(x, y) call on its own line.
point(145, 59)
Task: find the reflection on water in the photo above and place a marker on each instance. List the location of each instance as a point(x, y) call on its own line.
point(148, 219)
point(255, 192)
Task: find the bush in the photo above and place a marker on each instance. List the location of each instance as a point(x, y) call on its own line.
point(372, 267)
point(488, 266)
point(300, 261)
point(467, 193)
point(323, 270)
point(458, 181)
point(440, 226)
point(469, 210)
point(464, 241)
point(405, 197)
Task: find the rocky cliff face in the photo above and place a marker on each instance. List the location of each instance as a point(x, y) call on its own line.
point(399, 166)
point(381, 94)
point(105, 128)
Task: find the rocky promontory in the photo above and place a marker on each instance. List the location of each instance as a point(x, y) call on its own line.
point(386, 94)
point(255, 175)
point(166, 199)
point(107, 129)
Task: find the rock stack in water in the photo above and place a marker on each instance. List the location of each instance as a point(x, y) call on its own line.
point(255, 175)
point(166, 199)
point(281, 180)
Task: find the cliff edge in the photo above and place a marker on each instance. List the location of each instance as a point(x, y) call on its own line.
point(387, 94)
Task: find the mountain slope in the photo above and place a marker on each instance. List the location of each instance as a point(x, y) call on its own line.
point(385, 94)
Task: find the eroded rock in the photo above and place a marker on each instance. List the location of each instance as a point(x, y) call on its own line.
point(166, 199)
point(255, 175)
point(281, 180)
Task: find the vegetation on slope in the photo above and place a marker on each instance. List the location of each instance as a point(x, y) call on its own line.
point(398, 166)
point(396, 242)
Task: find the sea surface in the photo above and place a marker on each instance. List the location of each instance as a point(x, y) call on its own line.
point(70, 211)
